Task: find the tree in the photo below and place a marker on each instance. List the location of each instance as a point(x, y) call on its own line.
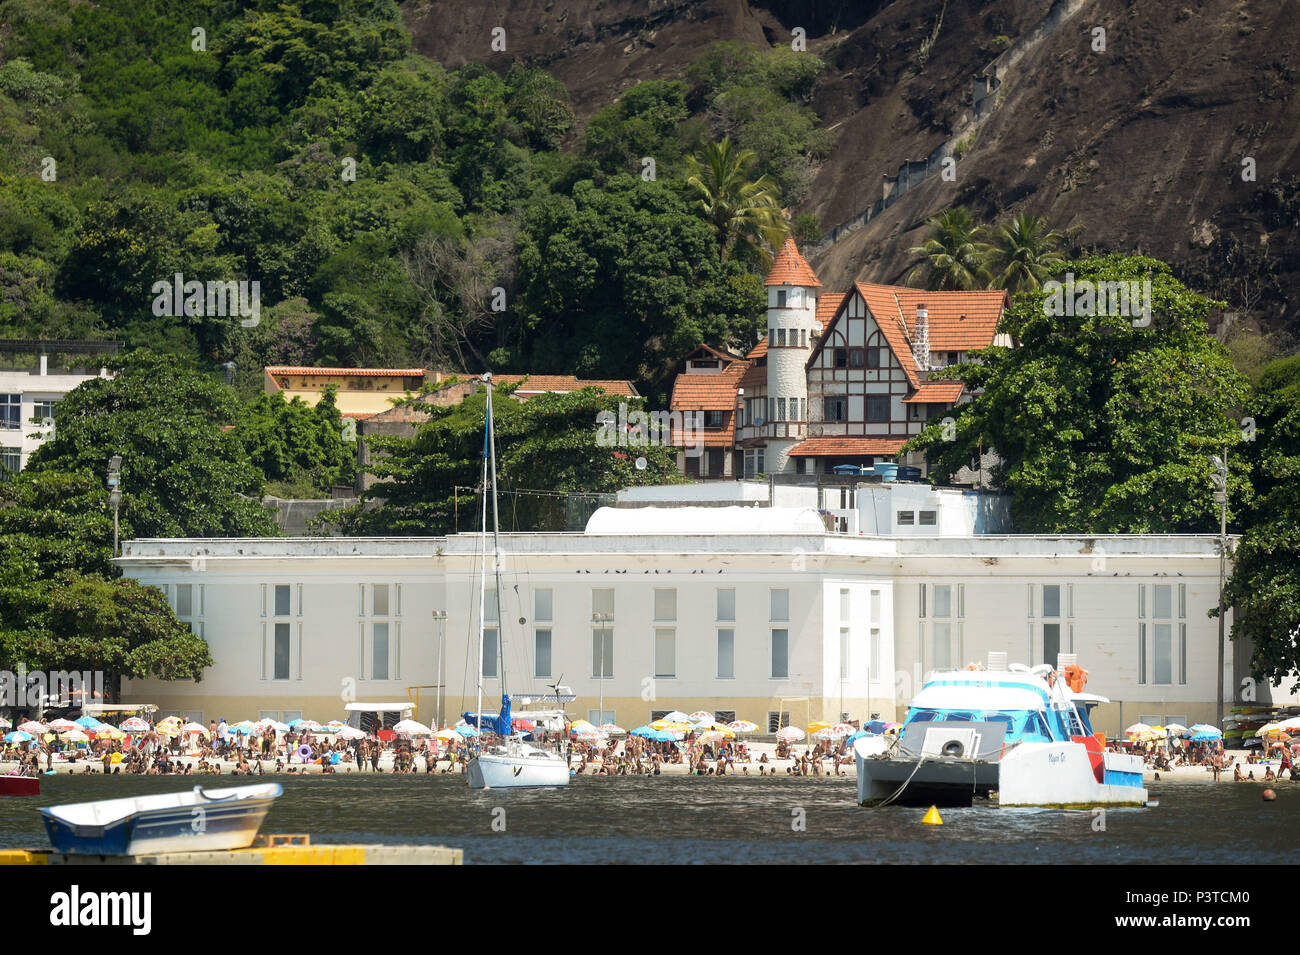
point(955, 253)
point(1102, 426)
point(1023, 255)
point(182, 475)
point(548, 443)
point(1264, 590)
point(299, 449)
point(738, 209)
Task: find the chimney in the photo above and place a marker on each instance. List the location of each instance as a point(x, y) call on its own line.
point(921, 339)
point(45, 364)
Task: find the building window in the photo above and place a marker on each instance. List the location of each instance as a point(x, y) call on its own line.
point(602, 653)
point(602, 600)
point(43, 412)
point(780, 298)
point(11, 461)
point(929, 518)
point(873, 357)
point(844, 653)
point(1051, 625)
point(282, 600)
point(726, 654)
point(906, 517)
point(665, 603)
point(780, 604)
point(835, 408)
point(11, 417)
point(491, 608)
point(490, 635)
point(713, 420)
point(947, 607)
point(841, 356)
point(844, 605)
point(780, 654)
point(877, 408)
point(777, 720)
point(543, 602)
point(727, 604)
point(379, 651)
point(281, 661)
point(384, 632)
point(856, 358)
point(875, 653)
point(665, 653)
point(600, 717)
point(1159, 657)
point(780, 410)
point(281, 632)
point(542, 653)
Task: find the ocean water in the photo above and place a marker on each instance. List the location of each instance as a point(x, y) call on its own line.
point(746, 820)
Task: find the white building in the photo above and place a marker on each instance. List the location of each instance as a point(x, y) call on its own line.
point(27, 400)
point(751, 611)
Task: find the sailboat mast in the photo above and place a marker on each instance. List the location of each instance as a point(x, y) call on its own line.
point(482, 587)
point(496, 537)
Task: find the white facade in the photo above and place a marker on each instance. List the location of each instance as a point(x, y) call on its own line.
point(730, 622)
point(791, 331)
point(27, 399)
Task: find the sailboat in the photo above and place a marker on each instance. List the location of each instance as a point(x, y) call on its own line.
point(514, 763)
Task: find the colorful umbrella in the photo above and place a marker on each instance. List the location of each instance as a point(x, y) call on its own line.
point(4, 723)
point(790, 733)
point(466, 730)
point(74, 736)
point(1176, 729)
point(412, 728)
point(33, 727)
point(18, 736)
point(677, 716)
point(1137, 729)
point(701, 716)
point(446, 734)
point(742, 726)
point(838, 731)
point(610, 729)
point(194, 729)
point(61, 725)
point(666, 736)
point(646, 731)
point(351, 732)
point(88, 722)
point(817, 725)
point(135, 725)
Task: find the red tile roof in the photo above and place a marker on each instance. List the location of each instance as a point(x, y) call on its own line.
point(791, 268)
point(833, 445)
point(709, 392)
point(563, 384)
point(936, 392)
point(351, 372)
point(827, 305)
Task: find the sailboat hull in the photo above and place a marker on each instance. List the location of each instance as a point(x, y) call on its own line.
point(491, 771)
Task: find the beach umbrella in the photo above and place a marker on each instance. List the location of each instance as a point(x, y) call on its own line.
point(61, 725)
point(684, 726)
point(666, 736)
point(611, 729)
point(712, 736)
point(646, 731)
point(1205, 728)
point(412, 728)
point(446, 734)
point(1290, 724)
point(1137, 729)
point(18, 736)
point(1176, 729)
point(4, 723)
point(677, 716)
point(1204, 737)
point(194, 729)
point(33, 727)
point(742, 726)
point(1270, 729)
point(111, 732)
point(857, 736)
point(700, 716)
point(277, 726)
point(789, 733)
point(87, 722)
point(466, 730)
point(74, 736)
point(242, 730)
point(817, 725)
point(134, 725)
point(838, 731)
point(334, 725)
point(351, 732)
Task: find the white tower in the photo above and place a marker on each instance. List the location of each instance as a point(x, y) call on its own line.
point(791, 324)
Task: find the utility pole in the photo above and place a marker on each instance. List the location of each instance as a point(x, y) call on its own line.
point(440, 616)
point(1220, 479)
point(115, 492)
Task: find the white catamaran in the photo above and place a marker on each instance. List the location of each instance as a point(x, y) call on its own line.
point(513, 763)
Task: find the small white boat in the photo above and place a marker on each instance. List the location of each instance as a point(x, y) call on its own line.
point(199, 820)
point(1020, 733)
point(517, 764)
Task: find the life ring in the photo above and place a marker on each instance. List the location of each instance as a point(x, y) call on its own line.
point(954, 748)
point(304, 752)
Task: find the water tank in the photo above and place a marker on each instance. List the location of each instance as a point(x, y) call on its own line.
point(887, 471)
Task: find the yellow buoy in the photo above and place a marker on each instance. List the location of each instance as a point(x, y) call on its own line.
point(932, 817)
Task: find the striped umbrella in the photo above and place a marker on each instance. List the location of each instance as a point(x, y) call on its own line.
point(838, 731)
point(4, 723)
point(18, 736)
point(790, 733)
point(194, 729)
point(74, 736)
point(62, 726)
point(33, 727)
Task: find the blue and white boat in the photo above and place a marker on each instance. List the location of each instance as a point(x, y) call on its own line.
point(196, 821)
point(1018, 733)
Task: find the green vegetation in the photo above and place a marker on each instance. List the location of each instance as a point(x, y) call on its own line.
point(378, 198)
point(548, 443)
point(959, 254)
point(1102, 427)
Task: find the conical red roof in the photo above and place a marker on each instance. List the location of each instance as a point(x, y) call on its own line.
point(791, 268)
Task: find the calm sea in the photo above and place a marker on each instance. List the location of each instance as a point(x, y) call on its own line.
point(743, 820)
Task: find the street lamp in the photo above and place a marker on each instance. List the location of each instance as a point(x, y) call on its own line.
point(115, 491)
point(440, 616)
point(603, 619)
point(1220, 479)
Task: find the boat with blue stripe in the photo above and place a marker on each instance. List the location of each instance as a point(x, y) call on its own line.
point(192, 821)
point(1018, 734)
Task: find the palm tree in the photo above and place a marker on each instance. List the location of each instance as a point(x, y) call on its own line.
point(955, 253)
point(1023, 255)
point(741, 210)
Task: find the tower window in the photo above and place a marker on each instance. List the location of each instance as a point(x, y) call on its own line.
point(780, 298)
